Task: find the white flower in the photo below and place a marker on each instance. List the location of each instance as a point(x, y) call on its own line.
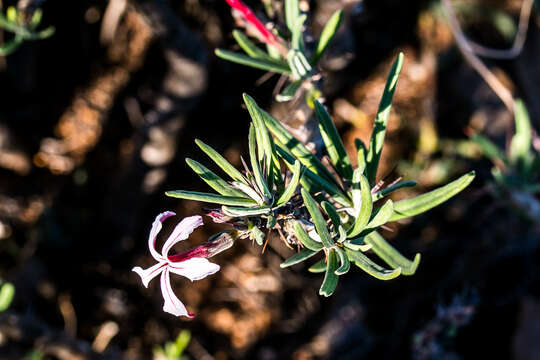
point(191, 264)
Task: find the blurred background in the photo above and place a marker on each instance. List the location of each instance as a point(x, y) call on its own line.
point(97, 119)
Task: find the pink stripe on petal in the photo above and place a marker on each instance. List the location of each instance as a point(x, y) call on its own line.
point(156, 228)
point(172, 304)
point(194, 268)
point(150, 273)
point(181, 232)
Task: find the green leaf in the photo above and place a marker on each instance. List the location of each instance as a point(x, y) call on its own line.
point(291, 188)
point(382, 193)
point(256, 234)
point(215, 182)
point(330, 278)
point(290, 91)
point(243, 211)
point(298, 258)
point(256, 63)
point(344, 261)
point(259, 179)
point(249, 191)
point(312, 182)
point(292, 11)
point(6, 296)
point(520, 146)
point(357, 244)
point(333, 143)
point(305, 239)
point(253, 50)
point(363, 203)
point(381, 120)
point(332, 213)
point(384, 213)
point(210, 198)
point(327, 34)
point(318, 267)
point(11, 46)
point(361, 155)
point(306, 157)
point(297, 38)
point(366, 264)
point(221, 162)
point(317, 218)
point(260, 127)
point(422, 203)
point(390, 255)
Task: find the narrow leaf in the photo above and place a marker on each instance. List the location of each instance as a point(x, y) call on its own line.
point(403, 184)
point(312, 182)
point(306, 157)
point(210, 198)
point(243, 211)
point(366, 264)
point(381, 120)
point(298, 258)
point(291, 187)
point(292, 11)
point(362, 203)
point(318, 267)
point(317, 218)
point(390, 255)
point(253, 50)
point(361, 155)
point(330, 278)
point(215, 182)
point(6, 296)
point(290, 91)
point(327, 34)
point(520, 145)
point(256, 63)
point(305, 239)
point(221, 162)
point(422, 203)
point(260, 127)
point(332, 213)
point(384, 213)
point(344, 261)
point(257, 173)
point(333, 143)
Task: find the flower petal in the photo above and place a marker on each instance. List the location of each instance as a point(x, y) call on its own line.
point(156, 228)
point(172, 304)
point(194, 269)
point(181, 232)
point(150, 273)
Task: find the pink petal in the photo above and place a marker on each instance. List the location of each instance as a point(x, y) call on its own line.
point(150, 273)
point(194, 269)
point(181, 232)
point(156, 228)
point(172, 304)
point(248, 15)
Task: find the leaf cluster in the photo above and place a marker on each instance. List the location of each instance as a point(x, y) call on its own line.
point(24, 28)
point(337, 214)
point(294, 60)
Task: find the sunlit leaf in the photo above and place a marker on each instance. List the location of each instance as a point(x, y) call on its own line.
point(243, 211)
point(305, 239)
point(210, 198)
point(317, 218)
point(400, 185)
point(298, 258)
point(214, 181)
point(381, 120)
point(363, 203)
point(422, 203)
point(252, 62)
point(330, 278)
point(327, 34)
point(366, 264)
point(333, 143)
point(343, 260)
point(291, 187)
point(221, 162)
point(390, 255)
